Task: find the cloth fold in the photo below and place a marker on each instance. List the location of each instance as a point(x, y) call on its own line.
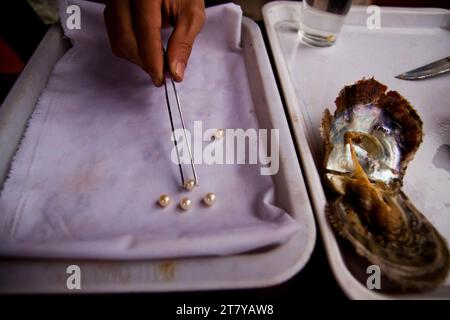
point(96, 157)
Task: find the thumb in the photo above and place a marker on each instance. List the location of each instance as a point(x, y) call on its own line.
point(179, 47)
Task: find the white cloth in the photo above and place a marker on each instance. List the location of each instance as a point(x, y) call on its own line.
point(96, 157)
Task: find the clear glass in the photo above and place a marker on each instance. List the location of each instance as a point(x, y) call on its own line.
point(321, 21)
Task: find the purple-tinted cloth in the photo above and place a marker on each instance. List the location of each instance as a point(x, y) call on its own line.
point(96, 157)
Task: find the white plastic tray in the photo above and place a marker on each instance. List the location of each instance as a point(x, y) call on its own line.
point(257, 269)
point(311, 79)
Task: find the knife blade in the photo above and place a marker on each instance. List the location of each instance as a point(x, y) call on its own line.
point(427, 71)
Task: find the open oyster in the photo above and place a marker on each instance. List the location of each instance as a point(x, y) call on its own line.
point(369, 142)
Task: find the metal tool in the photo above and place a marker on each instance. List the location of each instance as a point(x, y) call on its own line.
point(427, 71)
point(180, 112)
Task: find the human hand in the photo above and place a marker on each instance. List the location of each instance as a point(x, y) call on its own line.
point(134, 31)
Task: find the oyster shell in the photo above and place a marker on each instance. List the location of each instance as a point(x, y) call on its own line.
point(369, 141)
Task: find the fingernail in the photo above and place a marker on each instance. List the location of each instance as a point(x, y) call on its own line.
point(179, 70)
point(157, 80)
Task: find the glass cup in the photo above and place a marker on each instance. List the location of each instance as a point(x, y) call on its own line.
point(321, 21)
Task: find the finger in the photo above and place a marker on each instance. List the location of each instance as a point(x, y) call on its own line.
point(189, 20)
point(120, 30)
point(147, 24)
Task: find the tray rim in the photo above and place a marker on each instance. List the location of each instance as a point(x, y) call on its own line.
point(348, 283)
point(297, 260)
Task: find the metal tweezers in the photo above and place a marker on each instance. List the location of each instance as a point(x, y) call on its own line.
point(180, 112)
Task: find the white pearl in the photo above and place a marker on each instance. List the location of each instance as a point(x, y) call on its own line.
point(189, 185)
point(209, 199)
point(185, 204)
point(219, 134)
point(164, 200)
